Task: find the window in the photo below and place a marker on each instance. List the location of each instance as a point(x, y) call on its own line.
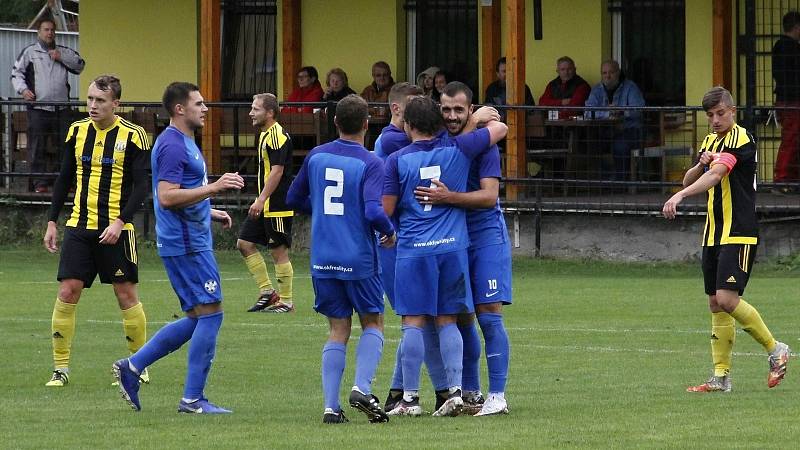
point(248, 56)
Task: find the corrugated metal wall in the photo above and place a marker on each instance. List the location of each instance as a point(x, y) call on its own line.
point(12, 41)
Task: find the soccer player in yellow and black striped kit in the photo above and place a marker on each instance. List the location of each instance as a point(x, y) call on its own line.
point(269, 220)
point(726, 169)
point(106, 159)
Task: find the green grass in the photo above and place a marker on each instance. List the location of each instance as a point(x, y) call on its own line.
point(601, 354)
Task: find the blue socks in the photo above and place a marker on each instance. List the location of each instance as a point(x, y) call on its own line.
point(368, 355)
point(472, 353)
point(412, 350)
point(168, 339)
point(497, 349)
point(202, 347)
point(452, 350)
point(397, 376)
point(433, 357)
point(333, 360)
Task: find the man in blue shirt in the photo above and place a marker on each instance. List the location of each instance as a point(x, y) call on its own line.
point(183, 230)
point(489, 254)
point(432, 267)
point(340, 185)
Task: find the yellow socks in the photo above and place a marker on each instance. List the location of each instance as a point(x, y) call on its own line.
point(258, 269)
point(723, 335)
point(284, 273)
point(134, 323)
point(63, 329)
point(751, 322)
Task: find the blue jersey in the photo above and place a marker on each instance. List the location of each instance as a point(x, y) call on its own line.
point(432, 229)
point(180, 231)
point(486, 226)
point(390, 140)
point(343, 181)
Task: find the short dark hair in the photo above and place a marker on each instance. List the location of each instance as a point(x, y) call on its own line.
point(399, 91)
point(351, 112)
point(311, 71)
point(109, 83)
point(565, 59)
point(177, 92)
point(790, 20)
point(453, 88)
point(502, 60)
point(716, 96)
point(268, 102)
point(44, 19)
point(423, 114)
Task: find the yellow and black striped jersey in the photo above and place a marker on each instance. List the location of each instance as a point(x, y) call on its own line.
point(731, 215)
point(106, 164)
point(275, 149)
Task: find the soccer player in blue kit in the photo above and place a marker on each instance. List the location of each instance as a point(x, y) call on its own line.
point(340, 184)
point(432, 264)
point(183, 230)
point(489, 254)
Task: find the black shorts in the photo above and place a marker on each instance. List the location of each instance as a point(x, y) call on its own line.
point(83, 257)
point(272, 232)
point(728, 267)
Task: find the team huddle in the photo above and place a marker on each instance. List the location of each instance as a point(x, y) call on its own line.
point(417, 221)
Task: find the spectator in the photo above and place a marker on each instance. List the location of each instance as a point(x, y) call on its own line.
point(567, 89)
point(496, 92)
point(378, 91)
point(40, 75)
point(338, 87)
point(308, 90)
point(616, 90)
point(786, 72)
point(425, 80)
point(439, 82)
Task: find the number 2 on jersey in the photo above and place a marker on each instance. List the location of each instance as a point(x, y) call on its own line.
point(430, 173)
point(331, 192)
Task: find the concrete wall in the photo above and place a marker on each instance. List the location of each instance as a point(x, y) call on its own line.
point(637, 238)
point(146, 43)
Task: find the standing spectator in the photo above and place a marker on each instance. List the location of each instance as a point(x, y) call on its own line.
point(378, 91)
point(40, 75)
point(616, 90)
point(567, 89)
point(308, 90)
point(439, 82)
point(425, 80)
point(496, 91)
point(337, 86)
point(786, 72)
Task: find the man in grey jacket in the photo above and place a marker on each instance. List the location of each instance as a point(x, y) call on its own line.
point(40, 75)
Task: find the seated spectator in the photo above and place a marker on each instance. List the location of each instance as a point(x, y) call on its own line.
point(337, 86)
point(496, 91)
point(440, 80)
point(616, 90)
point(308, 90)
point(425, 80)
point(378, 91)
point(567, 89)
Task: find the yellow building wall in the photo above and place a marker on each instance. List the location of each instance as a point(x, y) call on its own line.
point(699, 51)
point(352, 35)
point(146, 43)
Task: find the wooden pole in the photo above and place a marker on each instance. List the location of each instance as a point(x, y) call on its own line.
point(722, 28)
point(490, 44)
point(291, 43)
point(516, 164)
point(210, 80)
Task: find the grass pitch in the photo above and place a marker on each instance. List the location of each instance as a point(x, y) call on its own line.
point(601, 355)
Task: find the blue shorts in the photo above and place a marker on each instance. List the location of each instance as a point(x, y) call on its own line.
point(339, 298)
point(490, 274)
point(387, 257)
point(195, 278)
point(433, 285)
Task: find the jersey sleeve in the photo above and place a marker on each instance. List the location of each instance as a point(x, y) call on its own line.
point(489, 164)
point(298, 195)
point(372, 191)
point(473, 143)
point(391, 179)
point(283, 154)
point(171, 161)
